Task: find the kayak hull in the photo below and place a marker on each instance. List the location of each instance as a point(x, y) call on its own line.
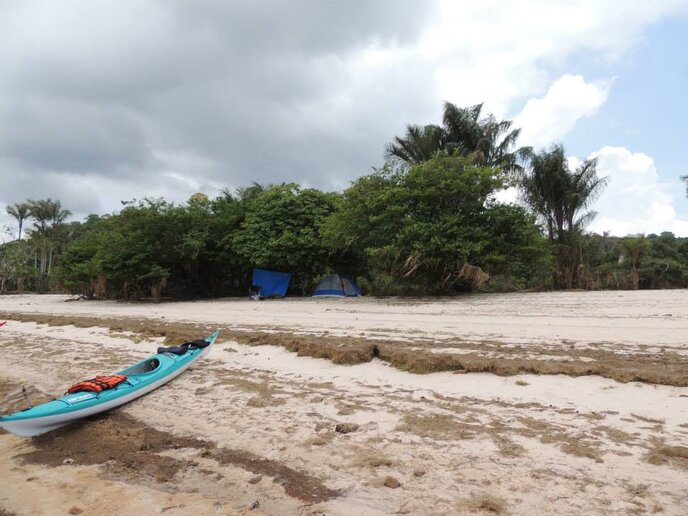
point(72, 407)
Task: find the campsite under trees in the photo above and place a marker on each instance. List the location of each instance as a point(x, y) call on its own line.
point(425, 223)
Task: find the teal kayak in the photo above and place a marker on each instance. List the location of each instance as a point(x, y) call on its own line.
point(142, 377)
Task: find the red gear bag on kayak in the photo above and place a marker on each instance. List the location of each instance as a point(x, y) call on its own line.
point(97, 384)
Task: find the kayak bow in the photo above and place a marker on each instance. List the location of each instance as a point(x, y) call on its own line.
point(142, 377)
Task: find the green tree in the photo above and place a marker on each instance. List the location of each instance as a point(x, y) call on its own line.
point(432, 228)
point(633, 249)
point(465, 132)
point(156, 249)
point(20, 211)
point(130, 255)
point(231, 271)
point(14, 265)
point(490, 142)
point(515, 252)
point(561, 197)
point(420, 143)
point(81, 268)
point(48, 216)
point(143, 248)
point(247, 193)
point(664, 263)
point(281, 230)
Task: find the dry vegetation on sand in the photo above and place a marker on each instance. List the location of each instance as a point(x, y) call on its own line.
point(485, 356)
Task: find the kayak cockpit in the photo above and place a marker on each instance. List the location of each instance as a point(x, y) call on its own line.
point(145, 367)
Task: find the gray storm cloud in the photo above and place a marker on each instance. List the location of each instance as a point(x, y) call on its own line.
point(103, 101)
point(220, 93)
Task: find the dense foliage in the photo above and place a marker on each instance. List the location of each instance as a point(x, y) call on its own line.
point(425, 223)
point(433, 228)
point(205, 248)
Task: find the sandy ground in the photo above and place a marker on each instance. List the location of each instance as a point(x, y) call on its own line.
point(259, 426)
point(657, 318)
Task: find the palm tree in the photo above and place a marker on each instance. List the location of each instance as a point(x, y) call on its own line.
point(543, 189)
point(57, 216)
point(634, 248)
point(498, 140)
point(248, 193)
point(418, 144)
point(561, 197)
point(488, 141)
point(462, 126)
point(48, 215)
point(585, 187)
point(20, 211)
point(558, 195)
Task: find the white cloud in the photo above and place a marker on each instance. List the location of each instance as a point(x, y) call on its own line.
point(497, 51)
point(635, 201)
point(548, 119)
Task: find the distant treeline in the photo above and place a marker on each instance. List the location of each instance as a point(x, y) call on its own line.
point(424, 224)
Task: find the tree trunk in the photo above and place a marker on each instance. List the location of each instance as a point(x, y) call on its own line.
point(635, 278)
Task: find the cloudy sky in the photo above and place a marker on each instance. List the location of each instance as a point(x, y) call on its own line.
point(103, 101)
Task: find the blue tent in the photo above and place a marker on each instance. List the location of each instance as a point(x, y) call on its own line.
point(336, 285)
point(270, 283)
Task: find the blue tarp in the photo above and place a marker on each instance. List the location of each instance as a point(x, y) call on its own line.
point(271, 283)
point(336, 285)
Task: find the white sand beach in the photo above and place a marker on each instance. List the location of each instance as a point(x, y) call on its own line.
point(278, 433)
